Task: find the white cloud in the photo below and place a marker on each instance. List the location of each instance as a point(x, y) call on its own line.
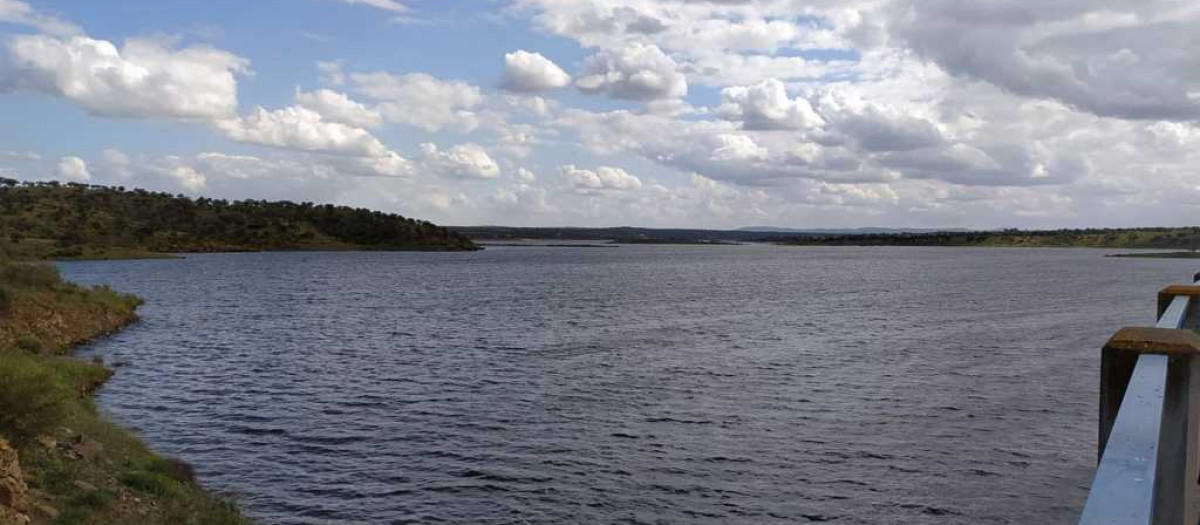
point(234, 166)
point(530, 104)
point(422, 101)
point(116, 162)
point(464, 161)
point(1117, 59)
point(302, 129)
point(766, 105)
point(143, 79)
point(16, 12)
point(386, 5)
point(529, 72)
point(604, 178)
point(719, 42)
point(337, 107)
point(733, 69)
point(331, 73)
point(73, 169)
point(635, 72)
point(21, 155)
point(738, 148)
point(522, 200)
point(189, 178)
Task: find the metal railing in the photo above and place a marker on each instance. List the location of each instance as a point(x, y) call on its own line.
point(1150, 420)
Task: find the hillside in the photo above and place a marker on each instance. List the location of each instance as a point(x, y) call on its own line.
point(1186, 238)
point(53, 220)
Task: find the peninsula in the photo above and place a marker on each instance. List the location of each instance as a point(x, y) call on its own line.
point(52, 220)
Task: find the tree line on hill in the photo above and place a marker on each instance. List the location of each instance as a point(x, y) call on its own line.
point(1184, 238)
point(52, 219)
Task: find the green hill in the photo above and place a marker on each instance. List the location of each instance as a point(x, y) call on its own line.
point(54, 220)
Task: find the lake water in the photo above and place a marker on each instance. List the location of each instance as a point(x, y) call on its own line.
point(640, 384)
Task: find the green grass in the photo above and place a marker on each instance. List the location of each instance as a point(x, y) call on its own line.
point(97, 473)
point(44, 395)
point(33, 398)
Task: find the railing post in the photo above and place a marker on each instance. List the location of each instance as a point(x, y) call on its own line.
point(1176, 489)
point(1116, 368)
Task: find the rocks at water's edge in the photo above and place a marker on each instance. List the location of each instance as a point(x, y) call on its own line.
point(14, 499)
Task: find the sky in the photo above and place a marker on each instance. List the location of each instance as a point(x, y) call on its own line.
point(655, 113)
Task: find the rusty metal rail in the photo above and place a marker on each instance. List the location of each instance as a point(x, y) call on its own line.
point(1150, 420)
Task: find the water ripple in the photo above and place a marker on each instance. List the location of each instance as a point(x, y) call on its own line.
point(748, 384)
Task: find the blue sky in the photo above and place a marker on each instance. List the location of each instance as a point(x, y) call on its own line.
point(673, 113)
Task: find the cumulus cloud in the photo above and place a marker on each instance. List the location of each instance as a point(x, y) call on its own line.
point(1125, 60)
point(714, 149)
point(737, 148)
point(73, 169)
point(302, 129)
point(337, 107)
point(523, 199)
point(189, 178)
point(879, 129)
point(603, 178)
point(143, 79)
point(635, 72)
point(464, 161)
point(422, 101)
point(765, 106)
point(720, 42)
point(529, 72)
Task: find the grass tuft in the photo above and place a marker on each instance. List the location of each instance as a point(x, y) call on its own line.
point(33, 399)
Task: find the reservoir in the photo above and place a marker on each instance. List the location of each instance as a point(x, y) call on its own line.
point(639, 384)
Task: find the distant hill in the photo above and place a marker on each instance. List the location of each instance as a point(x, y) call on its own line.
point(1157, 238)
point(53, 220)
point(620, 234)
point(1162, 238)
point(847, 231)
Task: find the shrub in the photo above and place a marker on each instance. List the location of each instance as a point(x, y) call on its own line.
point(175, 469)
point(202, 509)
point(94, 499)
point(31, 275)
point(150, 482)
point(79, 376)
point(33, 400)
point(6, 299)
point(29, 344)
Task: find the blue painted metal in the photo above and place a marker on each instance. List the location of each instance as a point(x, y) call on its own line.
point(1123, 489)
point(1175, 315)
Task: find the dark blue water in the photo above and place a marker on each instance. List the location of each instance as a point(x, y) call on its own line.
point(642, 384)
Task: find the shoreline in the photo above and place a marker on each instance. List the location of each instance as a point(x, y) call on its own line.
point(61, 460)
